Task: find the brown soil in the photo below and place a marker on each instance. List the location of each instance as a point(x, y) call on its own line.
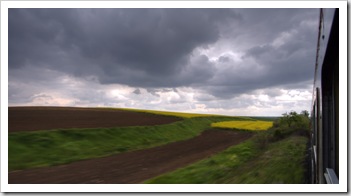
point(133, 167)
point(46, 118)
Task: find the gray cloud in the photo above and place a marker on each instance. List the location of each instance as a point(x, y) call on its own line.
point(220, 54)
point(282, 52)
point(137, 91)
point(137, 47)
point(153, 92)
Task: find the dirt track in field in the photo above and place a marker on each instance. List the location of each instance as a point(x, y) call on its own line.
point(45, 118)
point(133, 167)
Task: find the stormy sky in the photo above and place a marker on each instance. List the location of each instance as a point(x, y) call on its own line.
point(226, 61)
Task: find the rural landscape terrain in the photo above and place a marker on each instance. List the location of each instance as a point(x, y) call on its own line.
point(71, 145)
point(172, 93)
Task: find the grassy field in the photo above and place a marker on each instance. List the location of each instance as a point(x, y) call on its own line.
point(244, 125)
point(272, 156)
point(46, 148)
point(281, 163)
point(212, 169)
point(246, 163)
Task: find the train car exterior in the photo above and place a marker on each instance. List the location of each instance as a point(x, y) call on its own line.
point(325, 103)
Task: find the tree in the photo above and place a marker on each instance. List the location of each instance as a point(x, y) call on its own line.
point(305, 113)
point(292, 119)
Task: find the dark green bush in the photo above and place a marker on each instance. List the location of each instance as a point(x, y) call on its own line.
point(292, 123)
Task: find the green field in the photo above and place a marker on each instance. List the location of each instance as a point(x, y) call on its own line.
point(46, 148)
point(264, 158)
point(246, 163)
point(275, 156)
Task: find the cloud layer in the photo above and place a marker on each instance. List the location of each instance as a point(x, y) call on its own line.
point(209, 60)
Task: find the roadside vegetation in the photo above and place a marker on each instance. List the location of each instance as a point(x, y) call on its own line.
point(273, 156)
point(61, 146)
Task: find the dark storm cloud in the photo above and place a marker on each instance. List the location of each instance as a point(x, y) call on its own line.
point(221, 53)
point(281, 52)
point(263, 67)
point(261, 25)
point(137, 47)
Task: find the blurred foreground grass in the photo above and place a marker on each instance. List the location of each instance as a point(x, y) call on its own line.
point(246, 163)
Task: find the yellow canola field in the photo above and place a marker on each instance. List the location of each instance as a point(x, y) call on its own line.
point(247, 125)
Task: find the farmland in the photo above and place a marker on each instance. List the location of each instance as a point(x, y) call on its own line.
point(245, 163)
point(107, 145)
point(167, 113)
point(46, 118)
point(245, 125)
point(135, 166)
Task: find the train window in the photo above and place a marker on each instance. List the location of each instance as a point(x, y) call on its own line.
point(330, 117)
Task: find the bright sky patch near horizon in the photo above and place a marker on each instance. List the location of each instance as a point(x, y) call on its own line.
point(255, 62)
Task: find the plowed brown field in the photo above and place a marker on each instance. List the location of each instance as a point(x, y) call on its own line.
point(129, 167)
point(133, 167)
point(45, 118)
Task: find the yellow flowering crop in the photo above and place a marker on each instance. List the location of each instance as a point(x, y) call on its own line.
point(247, 125)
